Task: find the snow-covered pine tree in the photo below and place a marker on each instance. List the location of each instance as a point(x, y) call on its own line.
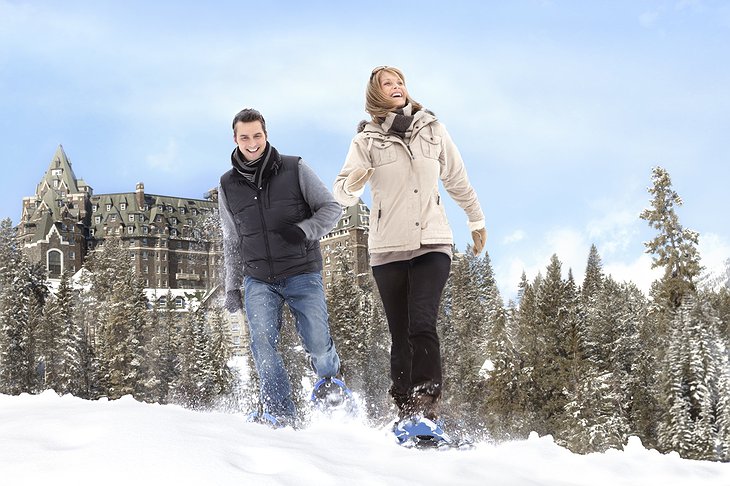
point(695, 385)
point(528, 346)
point(502, 366)
point(219, 350)
point(674, 248)
point(377, 369)
point(118, 332)
point(21, 315)
point(163, 346)
point(464, 351)
point(65, 361)
point(349, 322)
point(553, 323)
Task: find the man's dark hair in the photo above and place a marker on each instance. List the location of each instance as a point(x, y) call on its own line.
point(249, 115)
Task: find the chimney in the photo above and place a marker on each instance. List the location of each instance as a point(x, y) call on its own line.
point(139, 195)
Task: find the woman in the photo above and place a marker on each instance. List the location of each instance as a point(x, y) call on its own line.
point(403, 152)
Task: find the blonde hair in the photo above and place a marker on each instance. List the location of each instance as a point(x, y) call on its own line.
point(376, 103)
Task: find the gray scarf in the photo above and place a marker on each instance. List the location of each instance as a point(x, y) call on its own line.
point(399, 123)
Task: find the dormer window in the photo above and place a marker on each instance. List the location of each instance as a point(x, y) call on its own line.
point(123, 206)
point(109, 207)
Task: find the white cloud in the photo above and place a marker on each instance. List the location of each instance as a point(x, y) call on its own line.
point(167, 159)
point(714, 251)
point(638, 271)
point(514, 237)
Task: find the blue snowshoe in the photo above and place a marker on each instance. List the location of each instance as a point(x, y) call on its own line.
point(331, 395)
point(266, 418)
point(421, 433)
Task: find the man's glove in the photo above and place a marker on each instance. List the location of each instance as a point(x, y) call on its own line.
point(357, 179)
point(234, 302)
point(293, 234)
point(480, 238)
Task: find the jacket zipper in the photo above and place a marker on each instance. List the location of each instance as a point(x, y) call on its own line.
point(265, 232)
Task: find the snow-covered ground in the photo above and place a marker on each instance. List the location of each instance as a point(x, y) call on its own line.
point(51, 440)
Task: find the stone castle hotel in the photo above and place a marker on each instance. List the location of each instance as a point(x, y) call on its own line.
point(174, 240)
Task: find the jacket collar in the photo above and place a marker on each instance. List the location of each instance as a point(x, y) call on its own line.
point(373, 130)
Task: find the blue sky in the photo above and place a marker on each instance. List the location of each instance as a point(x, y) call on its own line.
point(559, 108)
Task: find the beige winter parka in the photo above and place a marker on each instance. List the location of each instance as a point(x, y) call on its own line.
point(407, 210)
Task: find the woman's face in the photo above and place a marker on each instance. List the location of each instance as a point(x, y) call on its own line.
point(394, 88)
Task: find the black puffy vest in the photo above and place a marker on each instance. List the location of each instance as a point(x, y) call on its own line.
point(259, 214)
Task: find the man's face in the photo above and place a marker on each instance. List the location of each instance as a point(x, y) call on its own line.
point(250, 138)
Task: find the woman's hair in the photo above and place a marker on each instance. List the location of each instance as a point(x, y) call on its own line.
point(376, 103)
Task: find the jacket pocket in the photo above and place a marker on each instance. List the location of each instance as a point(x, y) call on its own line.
point(430, 146)
point(383, 153)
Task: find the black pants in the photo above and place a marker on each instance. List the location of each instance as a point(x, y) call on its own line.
point(411, 293)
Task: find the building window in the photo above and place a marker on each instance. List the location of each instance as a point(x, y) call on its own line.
point(145, 230)
point(179, 302)
point(108, 207)
point(131, 218)
point(55, 265)
point(94, 208)
point(123, 206)
point(97, 219)
point(56, 172)
point(113, 217)
point(130, 229)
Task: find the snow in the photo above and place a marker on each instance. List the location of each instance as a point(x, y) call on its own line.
point(50, 440)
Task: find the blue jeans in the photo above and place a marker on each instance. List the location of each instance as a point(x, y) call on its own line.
point(304, 294)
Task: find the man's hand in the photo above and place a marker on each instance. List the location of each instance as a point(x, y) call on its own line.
point(234, 301)
point(480, 239)
point(293, 234)
point(357, 179)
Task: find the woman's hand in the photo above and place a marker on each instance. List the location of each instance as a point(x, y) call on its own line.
point(480, 239)
point(357, 179)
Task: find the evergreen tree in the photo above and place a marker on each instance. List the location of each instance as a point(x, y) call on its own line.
point(21, 315)
point(465, 353)
point(349, 322)
point(552, 367)
point(119, 330)
point(163, 349)
point(675, 247)
point(528, 347)
point(219, 350)
point(65, 363)
point(696, 414)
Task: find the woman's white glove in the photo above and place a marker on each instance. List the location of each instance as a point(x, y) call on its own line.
point(356, 180)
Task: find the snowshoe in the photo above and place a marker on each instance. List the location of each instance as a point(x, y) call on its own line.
point(331, 394)
point(422, 433)
point(268, 419)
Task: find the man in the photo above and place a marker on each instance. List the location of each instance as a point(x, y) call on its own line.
point(273, 211)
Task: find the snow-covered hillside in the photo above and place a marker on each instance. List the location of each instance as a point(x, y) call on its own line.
point(51, 440)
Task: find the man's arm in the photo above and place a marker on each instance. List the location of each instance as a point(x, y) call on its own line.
point(326, 211)
point(232, 251)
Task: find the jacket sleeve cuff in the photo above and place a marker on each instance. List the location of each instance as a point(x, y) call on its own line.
point(357, 193)
point(476, 225)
